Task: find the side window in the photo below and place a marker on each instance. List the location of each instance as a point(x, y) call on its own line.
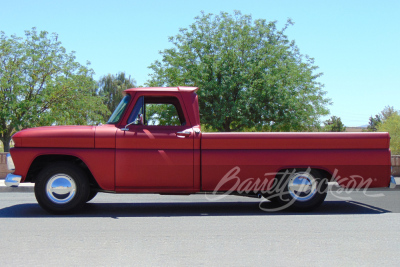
point(162, 114)
point(162, 111)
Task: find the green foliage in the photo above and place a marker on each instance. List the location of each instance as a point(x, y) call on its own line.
point(380, 118)
point(162, 114)
point(207, 128)
point(388, 120)
point(111, 88)
point(42, 84)
point(373, 123)
point(251, 76)
point(334, 124)
point(387, 112)
point(392, 125)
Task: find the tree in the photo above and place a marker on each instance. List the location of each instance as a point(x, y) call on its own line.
point(111, 88)
point(392, 125)
point(162, 114)
point(373, 123)
point(334, 124)
point(387, 112)
point(42, 84)
point(250, 75)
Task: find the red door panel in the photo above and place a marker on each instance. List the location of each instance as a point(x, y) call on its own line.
point(154, 157)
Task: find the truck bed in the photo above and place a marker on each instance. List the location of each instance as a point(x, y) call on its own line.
point(351, 159)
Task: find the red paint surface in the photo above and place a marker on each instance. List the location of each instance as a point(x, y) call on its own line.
point(295, 141)
point(99, 161)
point(362, 165)
point(154, 159)
point(72, 136)
point(105, 136)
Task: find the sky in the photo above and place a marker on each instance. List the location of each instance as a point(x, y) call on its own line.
point(354, 43)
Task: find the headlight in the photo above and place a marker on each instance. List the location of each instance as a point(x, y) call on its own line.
point(10, 162)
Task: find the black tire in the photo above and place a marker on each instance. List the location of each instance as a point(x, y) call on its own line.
point(92, 194)
point(299, 190)
point(62, 188)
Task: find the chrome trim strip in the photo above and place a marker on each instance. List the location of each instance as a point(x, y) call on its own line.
point(12, 180)
point(392, 182)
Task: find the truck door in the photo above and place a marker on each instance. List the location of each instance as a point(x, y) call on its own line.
point(155, 152)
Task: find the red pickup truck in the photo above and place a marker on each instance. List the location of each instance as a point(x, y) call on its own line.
point(153, 144)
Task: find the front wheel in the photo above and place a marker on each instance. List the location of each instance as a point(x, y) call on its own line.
point(92, 194)
point(62, 188)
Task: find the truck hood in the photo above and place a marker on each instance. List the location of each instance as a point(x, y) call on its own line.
point(71, 136)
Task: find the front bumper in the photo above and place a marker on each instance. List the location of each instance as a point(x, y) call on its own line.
point(392, 182)
point(12, 180)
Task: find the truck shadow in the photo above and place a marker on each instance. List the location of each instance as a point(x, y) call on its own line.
point(185, 209)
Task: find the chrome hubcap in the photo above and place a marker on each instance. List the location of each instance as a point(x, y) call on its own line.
point(302, 186)
point(61, 188)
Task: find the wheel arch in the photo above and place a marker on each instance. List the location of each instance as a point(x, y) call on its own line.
point(43, 161)
point(323, 172)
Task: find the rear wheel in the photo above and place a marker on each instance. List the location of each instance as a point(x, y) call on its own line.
point(299, 190)
point(62, 188)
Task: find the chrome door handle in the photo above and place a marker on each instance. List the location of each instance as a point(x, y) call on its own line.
point(183, 134)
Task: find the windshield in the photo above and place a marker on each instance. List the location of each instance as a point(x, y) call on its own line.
point(116, 116)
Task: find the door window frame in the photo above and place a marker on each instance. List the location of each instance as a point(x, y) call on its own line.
point(135, 99)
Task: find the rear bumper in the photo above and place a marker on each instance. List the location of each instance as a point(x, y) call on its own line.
point(392, 182)
point(12, 180)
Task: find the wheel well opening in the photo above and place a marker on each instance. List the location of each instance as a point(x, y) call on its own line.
point(322, 173)
point(44, 160)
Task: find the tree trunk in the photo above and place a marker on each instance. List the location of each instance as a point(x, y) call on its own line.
point(6, 143)
point(227, 124)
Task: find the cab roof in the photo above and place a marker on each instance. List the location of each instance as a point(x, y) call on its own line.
point(164, 89)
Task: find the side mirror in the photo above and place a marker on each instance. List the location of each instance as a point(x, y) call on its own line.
point(139, 120)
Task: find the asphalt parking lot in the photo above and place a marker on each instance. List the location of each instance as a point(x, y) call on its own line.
point(358, 228)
